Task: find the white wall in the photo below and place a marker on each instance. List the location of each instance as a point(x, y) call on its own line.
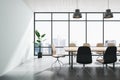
point(16, 34)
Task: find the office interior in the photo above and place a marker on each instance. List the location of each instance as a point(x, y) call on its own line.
point(54, 18)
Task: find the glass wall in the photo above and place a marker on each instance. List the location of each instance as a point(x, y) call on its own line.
point(77, 33)
point(61, 29)
point(42, 23)
point(112, 31)
point(60, 33)
point(94, 33)
point(94, 28)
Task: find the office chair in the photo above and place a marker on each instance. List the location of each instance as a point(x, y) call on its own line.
point(73, 45)
point(84, 55)
point(86, 44)
point(74, 53)
point(99, 52)
point(109, 56)
point(111, 44)
point(57, 56)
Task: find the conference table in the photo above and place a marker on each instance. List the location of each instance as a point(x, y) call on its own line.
point(72, 51)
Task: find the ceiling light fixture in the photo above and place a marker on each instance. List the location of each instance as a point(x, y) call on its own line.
point(77, 13)
point(108, 13)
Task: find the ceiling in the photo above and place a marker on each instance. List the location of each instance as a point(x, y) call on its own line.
point(70, 5)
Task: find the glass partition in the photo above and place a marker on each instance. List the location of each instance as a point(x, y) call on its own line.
point(44, 28)
point(60, 33)
point(60, 16)
point(61, 29)
point(43, 16)
point(116, 16)
point(112, 31)
point(94, 33)
point(77, 33)
point(94, 16)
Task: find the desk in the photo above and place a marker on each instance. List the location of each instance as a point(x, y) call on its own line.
point(71, 50)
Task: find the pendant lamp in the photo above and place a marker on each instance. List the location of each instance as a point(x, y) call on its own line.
point(108, 13)
point(77, 13)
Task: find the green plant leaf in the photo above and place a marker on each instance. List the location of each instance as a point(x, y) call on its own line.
point(43, 35)
point(37, 33)
point(40, 37)
point(38, 41)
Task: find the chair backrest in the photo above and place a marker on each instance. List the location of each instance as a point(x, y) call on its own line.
point(99, 45)
point(84, 55)
point(53, 49)
point(110, 55)
point(86, 44)
point(111, 44)
point(72, 45)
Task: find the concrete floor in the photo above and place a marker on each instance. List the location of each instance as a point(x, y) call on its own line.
point(40, 69)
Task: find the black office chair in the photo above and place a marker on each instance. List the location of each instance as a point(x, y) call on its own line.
point(109, 56)
point(84, 55)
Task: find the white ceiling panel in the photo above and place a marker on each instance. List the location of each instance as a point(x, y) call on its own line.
point(70, 5)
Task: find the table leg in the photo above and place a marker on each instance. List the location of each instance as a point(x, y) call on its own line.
point(71, 60)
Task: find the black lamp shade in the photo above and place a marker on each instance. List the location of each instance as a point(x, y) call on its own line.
point(108, 14)
point(77, 14)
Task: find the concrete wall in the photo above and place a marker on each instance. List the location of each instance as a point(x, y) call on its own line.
point(16, 34)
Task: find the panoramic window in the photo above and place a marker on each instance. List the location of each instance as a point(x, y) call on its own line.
point(61, 29)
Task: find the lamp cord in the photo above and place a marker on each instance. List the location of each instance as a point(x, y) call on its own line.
point(108, 4)
point(77, 4)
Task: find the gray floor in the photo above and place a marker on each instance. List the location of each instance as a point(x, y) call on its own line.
point(40, 69)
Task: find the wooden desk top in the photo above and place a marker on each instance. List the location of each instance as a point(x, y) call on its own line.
point(93, 49)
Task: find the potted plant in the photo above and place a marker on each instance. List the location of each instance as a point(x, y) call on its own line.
point(39, 41)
